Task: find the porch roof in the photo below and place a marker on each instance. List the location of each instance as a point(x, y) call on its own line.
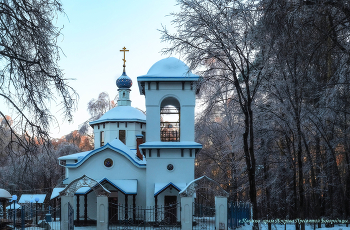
point(125, 186)
point(56, 191)
point(160, 187)
point(30, 198)
point(128, 187)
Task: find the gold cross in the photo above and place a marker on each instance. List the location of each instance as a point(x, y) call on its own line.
point(124, 50)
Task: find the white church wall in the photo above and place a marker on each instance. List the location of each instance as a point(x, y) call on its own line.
point(108, 134)
point(153, 123)
point(121, 169)
point(187, 123)
point(157, 171)
point(111, 132)
point(96, 137)
point(92, 204)
point(183, 170)
point(131, 136)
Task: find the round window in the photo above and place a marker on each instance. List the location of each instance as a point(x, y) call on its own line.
point(108, 162)
point(170, 167)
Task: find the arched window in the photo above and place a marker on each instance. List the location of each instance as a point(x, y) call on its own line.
point(170, 120)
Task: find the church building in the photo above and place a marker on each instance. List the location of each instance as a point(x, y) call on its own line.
point(143, 160)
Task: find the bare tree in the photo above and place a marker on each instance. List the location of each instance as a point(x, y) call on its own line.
point(96, 108)
point(30, 79)
point(214, 36)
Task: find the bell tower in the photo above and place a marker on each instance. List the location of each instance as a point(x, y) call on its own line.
point(170, 149)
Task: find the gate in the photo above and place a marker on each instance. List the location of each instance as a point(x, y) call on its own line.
point(129, 217)
point(70, 217)
point(236, 214)
point(203, 217)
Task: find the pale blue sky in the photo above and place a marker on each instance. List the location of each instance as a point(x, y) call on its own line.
point(93, 34)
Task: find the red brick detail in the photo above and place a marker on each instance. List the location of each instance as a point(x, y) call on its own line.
point(138, 142)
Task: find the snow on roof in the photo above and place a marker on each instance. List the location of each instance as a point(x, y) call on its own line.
point(122, 113)
point(160, 187)
point(125, 186)
point(5, 194)
point(17, 206)
point(75, 156)
point(164, 145)
point(169, 67)
point(56, 192)
point(82, 190)
point(115, 145)
point(28, 198)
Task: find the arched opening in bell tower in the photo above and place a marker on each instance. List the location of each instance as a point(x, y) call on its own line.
point(170, 120)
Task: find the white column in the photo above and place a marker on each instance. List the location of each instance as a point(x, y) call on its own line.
point(64, 210)
point(102, 213)
point(186, 213)
point(221, 213)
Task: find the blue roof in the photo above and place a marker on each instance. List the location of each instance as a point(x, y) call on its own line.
point(121, 113)
point(168, 69)
point(115, 145)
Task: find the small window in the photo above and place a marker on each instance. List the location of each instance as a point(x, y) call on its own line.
point(144, 136)
point(102, 139)
point(170, 167)
point(122, 136)
point(108, 162)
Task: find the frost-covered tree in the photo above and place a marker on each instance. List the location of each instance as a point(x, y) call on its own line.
point(215, 38)
point(30, 78)
point(304, 101)
point(96, 108)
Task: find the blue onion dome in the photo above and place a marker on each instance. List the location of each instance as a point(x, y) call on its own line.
point(124, 82)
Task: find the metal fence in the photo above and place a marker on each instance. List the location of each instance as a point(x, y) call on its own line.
point(237, 213)
point(203, 216)
point(129, 217)
point(31, 217)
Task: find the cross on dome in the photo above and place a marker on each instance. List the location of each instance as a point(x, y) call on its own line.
point(124, 50)
point(124, 82)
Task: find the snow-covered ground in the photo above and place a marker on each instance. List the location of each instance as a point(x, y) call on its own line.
point(292, 227)
point(56, 226)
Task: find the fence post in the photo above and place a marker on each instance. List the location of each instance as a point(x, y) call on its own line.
point(102, 213)
point(221, 213)
point(64, 211)
point(186, 213)
point(231, 211)
point(23, 214)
